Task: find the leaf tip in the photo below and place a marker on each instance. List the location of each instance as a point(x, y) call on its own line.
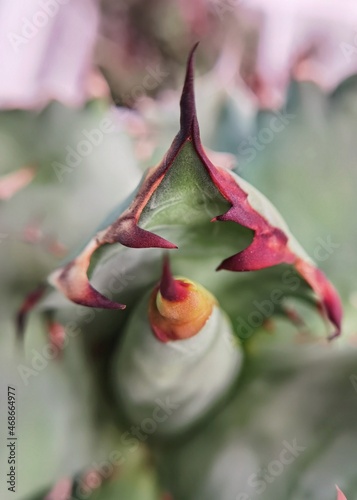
point(171, 289)
point(340, 494)
point(27, 305)
point(187, 102)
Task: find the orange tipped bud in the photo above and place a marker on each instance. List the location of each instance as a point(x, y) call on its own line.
point(178, 307)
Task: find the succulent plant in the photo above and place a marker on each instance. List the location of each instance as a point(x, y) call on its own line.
point(189, 196)
point(183, 396)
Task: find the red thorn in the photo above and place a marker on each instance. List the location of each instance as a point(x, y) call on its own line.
point(326, 292)
point(187, 102)
point(171, 289)
point(28, 304)
point(340, 494)
point(57, 336)
point(73, 282)
point(266, 250)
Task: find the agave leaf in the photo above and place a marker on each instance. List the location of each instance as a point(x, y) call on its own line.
point(314, 157)
point(35, 231)
point(299, 401)
point(48, 407)
point(210, 214)
point(192, 373)
point(58, 437)
point(133, 482)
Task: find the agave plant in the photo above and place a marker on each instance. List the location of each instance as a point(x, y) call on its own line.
point(181, 194)
point(165, 307)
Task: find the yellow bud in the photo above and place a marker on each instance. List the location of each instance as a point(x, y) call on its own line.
point(178, 307)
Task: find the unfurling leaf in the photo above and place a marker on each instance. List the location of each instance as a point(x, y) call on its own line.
point(174, 377)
